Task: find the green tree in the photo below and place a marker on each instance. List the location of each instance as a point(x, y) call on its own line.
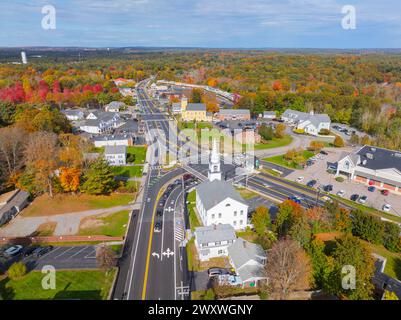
point(261, 220)
point(16, 271)
point(391, 237)
point(349, 251)
point(300, 230)
point(99, 178)
point(390, 295)
point(266, 132)
point(367, 227)
point(209, 295)
point(319, 262)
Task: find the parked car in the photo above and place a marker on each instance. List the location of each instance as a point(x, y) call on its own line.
point(295, 199)
point(328, 188)
point(354, 197)
point(386, 208)
point(158, 226)
point(341, 193)
point(213, 272)
point(324, 152)
point(363, 199)
point(385, 192)
point(300, 179)
point(30, 250)
point(372, 189)
point(311, 183)
point(13, 251)
point(44, 250)
point(327, 199)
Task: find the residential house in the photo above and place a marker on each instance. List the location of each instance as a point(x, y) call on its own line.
point(116, 155)
point(113, 140)
point(114, 106)
point(233, 114)
point(195, 112)
point(11, 204)
point(269, 115)
point(373, 166)
point(310, 123)
point(74, 114)
point(217, 202)
point(98, 122)
point(249, 260)
point(213, 241)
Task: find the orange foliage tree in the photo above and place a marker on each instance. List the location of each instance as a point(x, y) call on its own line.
point(69, 179)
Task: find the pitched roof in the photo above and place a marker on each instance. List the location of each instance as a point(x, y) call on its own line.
point(112, 137)
point(242, 251)
point(196, 107)
point(315, 119)
point(235, 112)
point(115, 150)
point(378, 158)
point(214, 233)
point(115, 104)
point(212, 193)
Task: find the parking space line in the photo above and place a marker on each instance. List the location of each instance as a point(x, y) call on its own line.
point(88, 256)
point(78, 252)
point(64, 252)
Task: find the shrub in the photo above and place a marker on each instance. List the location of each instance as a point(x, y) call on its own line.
point(340, 179)
point(324, 132)
point(316, 146)
point(299, 131)
point(17, 271)
point(209, 295)
point(338, 142)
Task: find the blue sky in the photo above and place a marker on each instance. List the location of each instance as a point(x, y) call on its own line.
point(202, 23)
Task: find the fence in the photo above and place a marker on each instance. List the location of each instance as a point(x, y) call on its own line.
point(51, 239)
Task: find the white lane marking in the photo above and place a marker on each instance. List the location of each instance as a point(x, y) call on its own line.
point(84, 248)
point(64, 252)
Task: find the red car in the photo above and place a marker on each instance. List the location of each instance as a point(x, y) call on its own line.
point(385, 192)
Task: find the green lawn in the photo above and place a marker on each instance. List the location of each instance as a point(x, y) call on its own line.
point(190, 125)
point(275, 143)
point(246, 193)
point(81, 285)
point(193, 218)
point(128, 171)
point(282, 162)
point(139, 152)
point(113, 225)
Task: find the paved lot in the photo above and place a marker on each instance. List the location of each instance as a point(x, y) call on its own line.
point(73, 257)
point(318, 172)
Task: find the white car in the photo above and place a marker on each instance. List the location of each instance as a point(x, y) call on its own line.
point(363, 199)
point(300, 179)
point(13, 251)
point(327, 199)
point(341, 193)
point(386, 208)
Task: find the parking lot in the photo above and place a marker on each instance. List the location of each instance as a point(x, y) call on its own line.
point(63, 257)
point(318, 172)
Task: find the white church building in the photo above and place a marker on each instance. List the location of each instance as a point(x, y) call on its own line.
point(217, 202)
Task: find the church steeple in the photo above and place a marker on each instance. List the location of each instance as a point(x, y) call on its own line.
point(214, 163)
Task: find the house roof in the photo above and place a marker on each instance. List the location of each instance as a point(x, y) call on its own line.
point(214, 233)
point(72, 112)
point(115, 150)
point(128, 126)
point(115, 104)
point(196, 107)
point(113, 137)
point(269, 112)
point(212, 193)
point(234, 112)
point(315, 119)
point(250, 272)
point(378, 158)
point(242, 251)
point(353, 156)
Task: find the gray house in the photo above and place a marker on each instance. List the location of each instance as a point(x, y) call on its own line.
point(116, 155)
point(11, 203)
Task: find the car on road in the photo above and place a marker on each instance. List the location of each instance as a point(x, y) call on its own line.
point(354, 197)
point(328, 188)
point(13, 251)
point(341, 193)
point(29, 251)
point(363, 199)
point(158, 226)
point(327, 199)
point(324, 152)
point(372, 189)
point(311, 183)
point(159, 212)
point(385, 192)
point(386, 208)
point(300, 179)
point(295, 199)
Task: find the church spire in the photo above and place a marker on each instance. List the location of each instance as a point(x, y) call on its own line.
point(214, 163)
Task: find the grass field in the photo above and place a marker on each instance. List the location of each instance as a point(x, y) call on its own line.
point(246, 193)
point(45, 229)
point(193, 218)
point(275, 143)
point(113, 225)
point(81, 285)
point(289, 164)
point(139, 152)
point(63, 203)
point(393, 265)
point(128, 171)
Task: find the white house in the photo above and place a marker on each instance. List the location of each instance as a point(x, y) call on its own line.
point(114, 106)
point(99, 122)
point(373, 166)
point(217, 202)
point(213, 241)
point(116, 155)
point(269, 115)
point(113, 140)
point(309, 122)
point(248, 259)
point(74, 115)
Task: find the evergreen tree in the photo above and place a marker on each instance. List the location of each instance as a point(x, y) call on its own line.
point(99, 179)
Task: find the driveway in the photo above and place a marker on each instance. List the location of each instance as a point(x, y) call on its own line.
point(67, 223)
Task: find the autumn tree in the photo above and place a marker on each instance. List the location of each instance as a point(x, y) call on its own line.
point(106, 257)
point(41, 154)
point(288, 269)
point(338, 142)
point(261, 220)
point(70, 179)
point(196, 96)
point(288, 212)
point(316, 146)
point(280, 130)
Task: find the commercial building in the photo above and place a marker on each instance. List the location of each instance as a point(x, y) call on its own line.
point(310, 123)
